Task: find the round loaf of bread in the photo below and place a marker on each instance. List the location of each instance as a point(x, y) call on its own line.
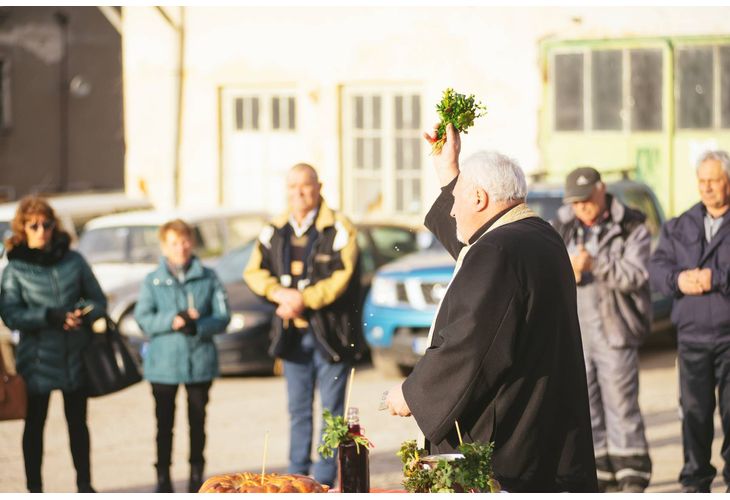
point(248, 482)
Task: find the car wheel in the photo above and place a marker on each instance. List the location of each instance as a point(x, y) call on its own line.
point(387, 366)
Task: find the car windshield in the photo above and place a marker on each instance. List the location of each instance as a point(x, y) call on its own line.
point(229, 267)
point(4, 232)
point(137, 244)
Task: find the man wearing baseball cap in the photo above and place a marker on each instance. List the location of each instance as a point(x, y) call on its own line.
point(609, 248)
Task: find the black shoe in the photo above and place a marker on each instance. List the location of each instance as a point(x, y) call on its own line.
point(607, 486)
point(86, 488)
point(693, 488)
point(632, 484)
point(35, 489)
point(164, 483)
point(196, 478)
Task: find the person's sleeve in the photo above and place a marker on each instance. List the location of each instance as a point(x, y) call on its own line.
point(150, 319)
point(475, 348)
point(326, 291)
point(440, 223)
point(220, 315)
point(721, 275)
point(14, 311)
point(628, 271)
point(258, 275)
point(663, 268)
point(91, 293)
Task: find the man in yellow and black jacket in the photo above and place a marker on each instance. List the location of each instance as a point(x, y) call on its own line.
point(306, 262)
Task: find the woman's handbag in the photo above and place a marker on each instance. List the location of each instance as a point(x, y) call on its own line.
point(13, 395)
point(110, 366)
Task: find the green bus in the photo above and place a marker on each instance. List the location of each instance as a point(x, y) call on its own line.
point(645, 105)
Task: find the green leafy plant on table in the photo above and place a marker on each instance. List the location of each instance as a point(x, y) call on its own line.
point(473, 473)
point(336, 432)
point(459, 110)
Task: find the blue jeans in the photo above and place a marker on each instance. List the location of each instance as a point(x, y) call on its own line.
point(303, 371)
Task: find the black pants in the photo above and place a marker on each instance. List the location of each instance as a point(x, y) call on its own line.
point(702, 368)
point(165, 411)
point(74, 406)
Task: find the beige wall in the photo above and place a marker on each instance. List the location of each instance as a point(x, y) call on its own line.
point(489, 51)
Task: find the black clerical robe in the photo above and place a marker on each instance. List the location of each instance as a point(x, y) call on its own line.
point(506, 359)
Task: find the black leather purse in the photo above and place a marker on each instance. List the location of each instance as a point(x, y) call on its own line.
point(110, 366)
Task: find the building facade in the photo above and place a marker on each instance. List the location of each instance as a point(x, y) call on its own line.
point(220, 102)
point(61, 120)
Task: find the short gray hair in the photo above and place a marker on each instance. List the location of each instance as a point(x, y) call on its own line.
point(717, 155)
point(501, 177)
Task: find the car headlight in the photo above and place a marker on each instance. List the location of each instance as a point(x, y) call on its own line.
point(384, 292)
point(241, 320)
point(128, 326)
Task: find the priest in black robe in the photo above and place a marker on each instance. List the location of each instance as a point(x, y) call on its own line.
point(505, 359)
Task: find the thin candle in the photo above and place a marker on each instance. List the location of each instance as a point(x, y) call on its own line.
point(349, 388)
point(263, 464)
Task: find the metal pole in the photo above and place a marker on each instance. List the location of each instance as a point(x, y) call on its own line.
point(63, 119)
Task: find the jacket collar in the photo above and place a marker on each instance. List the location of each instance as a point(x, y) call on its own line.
point(325, 218)
point(44, 257)
point(513, 214)
point(195, 270)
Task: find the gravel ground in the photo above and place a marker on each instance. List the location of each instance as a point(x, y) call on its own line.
point(242, 409)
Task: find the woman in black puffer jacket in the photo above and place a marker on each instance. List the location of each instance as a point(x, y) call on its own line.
point(46, 288)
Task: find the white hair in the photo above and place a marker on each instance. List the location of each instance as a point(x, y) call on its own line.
point(717, 155)
point(501, 177)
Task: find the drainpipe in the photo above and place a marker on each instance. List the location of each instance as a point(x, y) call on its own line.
point(672, 128)
point(180, 30)
point(63, 119)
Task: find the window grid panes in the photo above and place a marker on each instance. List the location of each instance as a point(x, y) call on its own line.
point(695, 77)
point(385, 152)
point(283, 113)
point(646, 89)
point(607, 89)
point(568, 92)
point(246, 113)
point(724, 69)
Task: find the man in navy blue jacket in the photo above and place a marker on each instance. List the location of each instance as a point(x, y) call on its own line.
point(692, 263)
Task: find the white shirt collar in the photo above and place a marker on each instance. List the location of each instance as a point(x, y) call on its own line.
point(307, 222)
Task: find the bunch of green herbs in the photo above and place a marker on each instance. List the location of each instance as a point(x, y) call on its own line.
point(459, 110)
point(336, 432)
point(472, 473)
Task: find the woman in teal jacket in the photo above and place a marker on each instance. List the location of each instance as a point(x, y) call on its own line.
point(50, 295)
point(181, 306)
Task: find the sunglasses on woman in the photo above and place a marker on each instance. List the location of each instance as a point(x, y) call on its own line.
point(47, 225)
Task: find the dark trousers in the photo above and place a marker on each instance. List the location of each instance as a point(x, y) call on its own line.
point(702, 368)
point(74, 406)
point(165, 411)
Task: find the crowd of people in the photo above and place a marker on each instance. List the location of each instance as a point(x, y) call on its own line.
point(534, 345)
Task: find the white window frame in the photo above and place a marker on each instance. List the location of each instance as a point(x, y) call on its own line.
point(266, 98)
point(387, 174)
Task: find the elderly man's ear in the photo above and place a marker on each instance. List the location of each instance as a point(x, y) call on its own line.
point(481, 199)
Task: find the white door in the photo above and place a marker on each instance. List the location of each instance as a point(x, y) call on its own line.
point(260, 143)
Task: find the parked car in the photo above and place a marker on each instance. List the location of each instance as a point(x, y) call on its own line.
point(404, 295)
point(75, 210)
point(123, 248)
point(243, 348)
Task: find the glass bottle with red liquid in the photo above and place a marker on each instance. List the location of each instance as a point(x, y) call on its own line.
point(354, 462)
